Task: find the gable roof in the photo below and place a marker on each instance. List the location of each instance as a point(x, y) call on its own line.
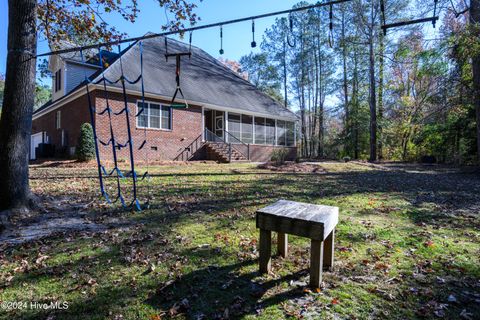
point(203, 78)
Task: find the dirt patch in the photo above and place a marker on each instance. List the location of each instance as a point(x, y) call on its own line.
point(53, 216)
point(292, 167)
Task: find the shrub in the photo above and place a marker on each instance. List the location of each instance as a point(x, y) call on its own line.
point(279, 155)
point(86, 145)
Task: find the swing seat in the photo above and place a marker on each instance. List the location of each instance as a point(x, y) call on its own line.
point(179, 106)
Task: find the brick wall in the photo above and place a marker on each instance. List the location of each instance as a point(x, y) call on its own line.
point(73, 114)
point(259, 153)
point(186, 127)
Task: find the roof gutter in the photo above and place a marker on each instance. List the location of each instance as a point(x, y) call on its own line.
point(200, 104)
point(81, 91)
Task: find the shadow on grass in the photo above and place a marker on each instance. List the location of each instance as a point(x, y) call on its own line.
point(219, 292)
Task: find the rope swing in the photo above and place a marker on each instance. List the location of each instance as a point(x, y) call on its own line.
point(92, 110)
point(290, 43)
point(135, 203)
point(178, 59)
point(432, 19)
point(221, 51)
point(253, 44)
point(102, 172)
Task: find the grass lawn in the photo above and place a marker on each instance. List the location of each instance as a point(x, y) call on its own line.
point(407, 246)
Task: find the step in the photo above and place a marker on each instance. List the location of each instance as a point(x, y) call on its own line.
point(221, 151)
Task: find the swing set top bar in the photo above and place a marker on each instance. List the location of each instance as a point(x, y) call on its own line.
point(191, 29)
point(223, 23)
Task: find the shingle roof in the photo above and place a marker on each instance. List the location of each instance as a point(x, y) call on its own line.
point(203, 78)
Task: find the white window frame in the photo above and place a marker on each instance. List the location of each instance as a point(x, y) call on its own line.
point(58, 119)
point(58, 80)
point(148, 115)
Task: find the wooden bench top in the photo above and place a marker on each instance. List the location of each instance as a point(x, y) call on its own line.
point(297, 218)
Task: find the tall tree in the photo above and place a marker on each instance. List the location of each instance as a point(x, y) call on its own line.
point(380, 94)
point(18, 101)
point(85, 22)
point(475, 26)
point(372, 98)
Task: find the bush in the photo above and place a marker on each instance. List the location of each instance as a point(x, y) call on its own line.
point(86, 145)
point(279, 155)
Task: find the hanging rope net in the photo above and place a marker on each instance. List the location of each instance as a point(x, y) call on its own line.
point(108, 114)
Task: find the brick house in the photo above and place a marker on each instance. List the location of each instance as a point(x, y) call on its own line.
point(227, 118)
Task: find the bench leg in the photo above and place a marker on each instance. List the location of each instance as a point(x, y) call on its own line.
point(282, 244)
point(329, 246)
point(265, 260)
point(316, 262)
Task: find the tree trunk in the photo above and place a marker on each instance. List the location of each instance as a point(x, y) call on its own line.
point(372, 92)
point(475, 23)
point(355, 127)
point(345, 86)
point(285, 87)
point(16, 119)
point(380, 96)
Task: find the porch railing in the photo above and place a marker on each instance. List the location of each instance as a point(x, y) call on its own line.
point(187, 153)
point(238, 145)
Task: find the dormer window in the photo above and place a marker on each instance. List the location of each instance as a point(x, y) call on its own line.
point(58, 80)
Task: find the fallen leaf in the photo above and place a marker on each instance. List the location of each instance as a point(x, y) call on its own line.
point(429, 244)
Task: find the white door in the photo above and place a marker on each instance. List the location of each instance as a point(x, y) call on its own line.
point(35, 140)
point(219, 123)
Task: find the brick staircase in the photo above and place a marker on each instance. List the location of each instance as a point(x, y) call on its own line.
point(219, 151)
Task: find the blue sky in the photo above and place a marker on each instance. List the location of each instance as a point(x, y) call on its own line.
point(237, 37)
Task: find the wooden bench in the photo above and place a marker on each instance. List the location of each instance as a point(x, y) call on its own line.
point(316, 222)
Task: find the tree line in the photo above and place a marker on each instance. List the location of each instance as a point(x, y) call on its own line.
point(364, 94)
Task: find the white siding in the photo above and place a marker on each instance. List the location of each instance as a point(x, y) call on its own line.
point(75, 74)
point(55, 64)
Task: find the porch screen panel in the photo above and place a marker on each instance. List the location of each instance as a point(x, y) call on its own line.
point(259, 130)
point(270, 131)
point(290, 126)
point(234, 126)
point(154, 116)
point(247, 129)
point(281, 133)
point(142, 120)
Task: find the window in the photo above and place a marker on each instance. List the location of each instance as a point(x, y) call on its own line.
point(166, 117)
point(290, 128)
point(259, 130)
point(154, 116)
point(270, 131)
point(58, 120)
point(58, 80)
point(247, 129)
point(142, 119)
point(64, 138)
point(281, 133)
point(234, 126)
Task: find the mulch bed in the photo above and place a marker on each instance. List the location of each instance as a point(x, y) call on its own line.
point(292, 167)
